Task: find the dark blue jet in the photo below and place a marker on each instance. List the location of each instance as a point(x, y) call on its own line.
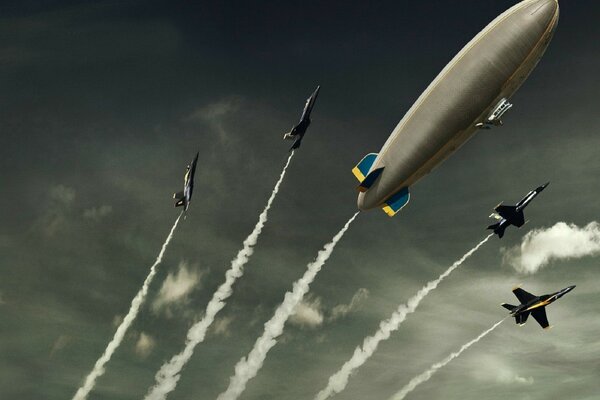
point(534, 305)
point(513, 215)
point(298, 131)
point(183, 199)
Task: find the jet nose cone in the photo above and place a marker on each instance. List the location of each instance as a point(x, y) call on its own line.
point(567, 290)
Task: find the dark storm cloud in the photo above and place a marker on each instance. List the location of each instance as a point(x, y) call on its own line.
point(109, 101)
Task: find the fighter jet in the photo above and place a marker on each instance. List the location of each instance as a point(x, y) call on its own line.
point(534, 305)
point(183, 199)
point(513, 215)
point(298, 131)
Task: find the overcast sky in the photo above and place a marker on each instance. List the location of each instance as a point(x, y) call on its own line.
point(103, 104)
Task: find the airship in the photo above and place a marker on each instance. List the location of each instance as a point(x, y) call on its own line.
point(471, 93)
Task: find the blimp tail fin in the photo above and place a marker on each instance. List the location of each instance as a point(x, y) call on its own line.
point(362, 168)
point(396, 202)
point(370, 180)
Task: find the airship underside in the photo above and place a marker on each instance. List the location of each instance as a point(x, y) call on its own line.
point(468, 94)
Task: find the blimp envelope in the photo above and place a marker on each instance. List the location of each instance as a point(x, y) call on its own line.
point(471, 92)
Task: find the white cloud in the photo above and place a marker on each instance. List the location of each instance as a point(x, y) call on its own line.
point(97, 213)
point(215, 114)
point(176, 288)
point(54, 218)
point(144, 345)
point(59, 344)
point(216, 111)
point(221, 326)
point(490, 368)
point(341, 310)
point(308, 313)
point(62, 194)
point(117, 319)
point(561, 241)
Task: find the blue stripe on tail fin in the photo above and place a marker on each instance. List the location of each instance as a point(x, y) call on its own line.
point(362, 168)
point(396, 202)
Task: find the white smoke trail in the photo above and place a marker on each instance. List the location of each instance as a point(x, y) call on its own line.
point(136, 303)
point(561, 241)
point(168, 375)
point(248, 367)
point(339, 380)
point(425, 376)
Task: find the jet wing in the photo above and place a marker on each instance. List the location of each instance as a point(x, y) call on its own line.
point(523, 296)
point(540, 316)
point(511, 214)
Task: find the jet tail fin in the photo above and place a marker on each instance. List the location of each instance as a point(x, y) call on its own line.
point(509, 307)
point(520, 319)
point(179, 199)
point(396, 202)
point(296, 144)
point(498, 230)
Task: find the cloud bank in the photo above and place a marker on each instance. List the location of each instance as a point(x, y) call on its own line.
point(560, 242)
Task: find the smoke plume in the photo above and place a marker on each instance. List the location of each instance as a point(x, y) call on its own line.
point(425, 376)
point(136, 303)
point(561, 241)
point(339, 380)
point(248, 367)
point(169, 374)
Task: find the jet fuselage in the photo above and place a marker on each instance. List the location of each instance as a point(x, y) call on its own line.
point(533, 305)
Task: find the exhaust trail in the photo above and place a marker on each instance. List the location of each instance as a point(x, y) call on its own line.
point(339, 380)
point(136, 303)
point(248, 367)
point(425, 376)
point(168, 375)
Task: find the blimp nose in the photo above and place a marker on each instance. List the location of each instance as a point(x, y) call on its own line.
point(544, 10)
point(367, 201)
point(361, 202)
